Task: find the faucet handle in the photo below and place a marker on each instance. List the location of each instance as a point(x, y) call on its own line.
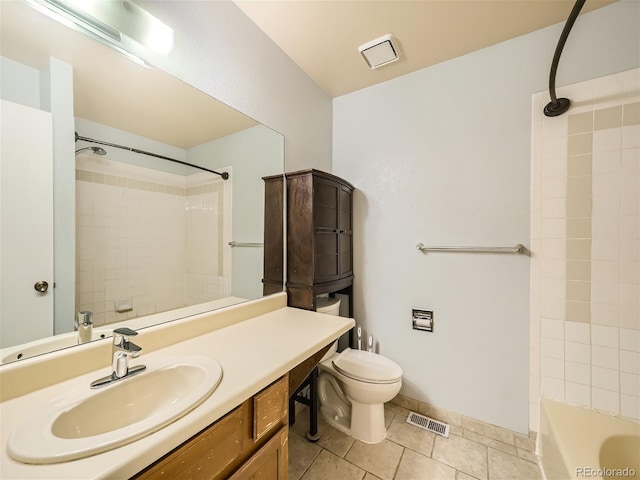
point(127, 332)
point(121, 340)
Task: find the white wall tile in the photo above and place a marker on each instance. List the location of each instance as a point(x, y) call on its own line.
point(553, 308)
point(577, 332)
point(605, 378)
point(630, 384)
point(555, 166)
point(553, 268)
point(630, 339)
point(629, 235)
point(577, 372)
point(606, 271)
point(630, 406)
point(605, 357)
point(553, 127)
point(605, 336)
point(552, 328)
point(553, 248)
point(555, 187)
point(604, 314)
point(605, 249)
point(604, 206)
point(601, 358)
point(606, 400)
point(553, 208)
point(554, 147)
point(552, 388)
point(630, 80)
point(604, 292)
point(605, 227)
point(606, 162)
point(552, 367)
point(631, 161)
point(551, 347)
point(630, 195)
point(630, 306)
point(631, 137)
point(608, 139)
point(553, 289)
point(553, 228)
point(577, 352)
point(630, 362)
point(578, 394)
point(630, 272)
point(606, 185)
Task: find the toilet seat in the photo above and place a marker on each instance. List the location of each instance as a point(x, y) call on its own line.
point(367, 367)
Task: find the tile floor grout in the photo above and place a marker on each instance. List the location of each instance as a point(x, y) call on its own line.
point(456, 472)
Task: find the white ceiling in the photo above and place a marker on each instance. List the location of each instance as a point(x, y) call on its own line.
point(322, 36)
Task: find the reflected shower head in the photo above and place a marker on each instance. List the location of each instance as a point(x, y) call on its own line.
point(95, 150)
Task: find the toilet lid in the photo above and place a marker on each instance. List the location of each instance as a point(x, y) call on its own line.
point(367, 366)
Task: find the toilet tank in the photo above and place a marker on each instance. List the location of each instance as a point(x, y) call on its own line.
point(329, 306)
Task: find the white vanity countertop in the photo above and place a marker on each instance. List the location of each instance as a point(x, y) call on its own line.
point(253, 353)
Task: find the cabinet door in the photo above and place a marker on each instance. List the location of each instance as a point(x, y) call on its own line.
point(205, 456)
point(268, 463)
point(326, 222)
point(345, 227)
point(273, 260)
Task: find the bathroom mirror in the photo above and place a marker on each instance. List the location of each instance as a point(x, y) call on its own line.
point(123, 200)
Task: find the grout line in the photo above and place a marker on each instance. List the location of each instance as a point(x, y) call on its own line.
point(395, 471)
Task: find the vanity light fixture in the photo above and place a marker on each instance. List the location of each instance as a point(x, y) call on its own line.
point(112, 23)
point(380, 52)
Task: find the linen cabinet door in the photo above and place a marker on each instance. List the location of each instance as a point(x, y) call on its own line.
point(345, 227)
point(326, 220)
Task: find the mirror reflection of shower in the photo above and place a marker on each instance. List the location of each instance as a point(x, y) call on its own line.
point(150, 233)
point(94, 150)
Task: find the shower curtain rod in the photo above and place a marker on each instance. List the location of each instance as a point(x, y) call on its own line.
point(557, 106)
point(224, 175)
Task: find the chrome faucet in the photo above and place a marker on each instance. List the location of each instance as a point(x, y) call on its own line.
point(84, 326)
point(121, 351)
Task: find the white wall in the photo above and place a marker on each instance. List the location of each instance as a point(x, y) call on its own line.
point(19, 83)
point(442, 156)
point(219, 50)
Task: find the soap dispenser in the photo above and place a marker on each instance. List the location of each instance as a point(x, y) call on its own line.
point(84, 326)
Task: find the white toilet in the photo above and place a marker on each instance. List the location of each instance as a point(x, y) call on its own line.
point(354, 385)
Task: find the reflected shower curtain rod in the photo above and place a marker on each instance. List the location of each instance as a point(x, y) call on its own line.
point(224, 175)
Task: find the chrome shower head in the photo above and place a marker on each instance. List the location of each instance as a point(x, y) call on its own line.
point(95, 150)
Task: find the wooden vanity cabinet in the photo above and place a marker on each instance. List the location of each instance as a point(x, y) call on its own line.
point(319, 235)
point(250, 442)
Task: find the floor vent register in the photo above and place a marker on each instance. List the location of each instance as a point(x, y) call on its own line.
point(428, 424)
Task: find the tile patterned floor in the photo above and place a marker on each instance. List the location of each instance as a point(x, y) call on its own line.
point(473, 451)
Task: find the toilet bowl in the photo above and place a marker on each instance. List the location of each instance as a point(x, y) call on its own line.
point(353, 387)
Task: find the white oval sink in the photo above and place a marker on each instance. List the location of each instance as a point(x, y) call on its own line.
point(85, 422)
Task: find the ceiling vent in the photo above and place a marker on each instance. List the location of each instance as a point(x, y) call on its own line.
point(381, 51)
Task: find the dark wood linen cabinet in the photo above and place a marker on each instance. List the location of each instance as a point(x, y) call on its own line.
point(319, 236)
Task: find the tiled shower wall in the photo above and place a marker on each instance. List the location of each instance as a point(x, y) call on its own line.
point(147, 241)
point(585, 242)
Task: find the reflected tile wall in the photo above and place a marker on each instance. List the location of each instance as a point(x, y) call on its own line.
point(134, 232)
